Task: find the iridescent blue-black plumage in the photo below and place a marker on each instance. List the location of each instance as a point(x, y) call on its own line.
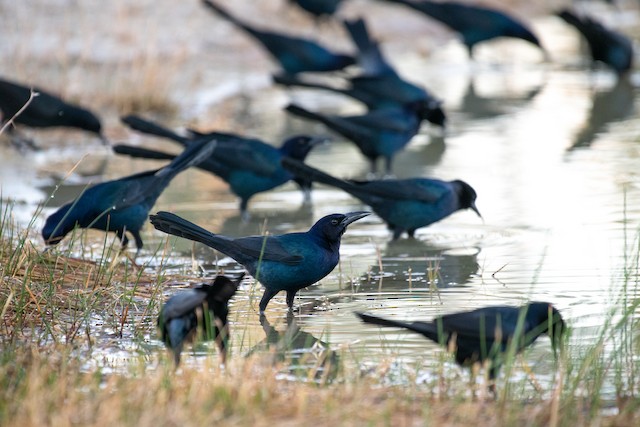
point(121, 205)
point(404, 204)
point(486, 333)
point(607, 46)
point(286, 262)
point(294, 54)
point(474, 23)
point(248, 165)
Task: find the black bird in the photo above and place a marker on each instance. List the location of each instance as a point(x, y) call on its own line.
point(404, 204)
point(318, 8)
point(380, 86)
point(121, 205)
point(294, 54)
point(375, 94)
point(206, 307)
point(486, 334)
point(474, 23)
point(379, 133)
point(286, 262)
point(607, 46)
point(45, 110)
point(248, 165)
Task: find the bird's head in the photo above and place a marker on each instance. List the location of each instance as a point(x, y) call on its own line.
point(297, 147)
point(466, 196)
point(332, 227)
point(58, 225)
point(550, 321)
point(83, 119)
point(432, 112)
point(522, 33)
point(222, 289)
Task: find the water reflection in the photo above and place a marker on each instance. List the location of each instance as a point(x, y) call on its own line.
point(414, 265)
point(476, 106)
point(301, 355)
point(609, 106)
point(273, 221)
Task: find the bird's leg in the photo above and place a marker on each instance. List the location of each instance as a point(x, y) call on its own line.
point(122, 235)
point(306, 194)
point(374, 166)
point(244, 212)
point(266, 297)
point(411, 233)
point(397, 232)
point(291, 295)
point(387, 163)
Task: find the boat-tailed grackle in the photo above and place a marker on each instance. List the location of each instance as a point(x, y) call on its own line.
point(486, 334)
point(294, 54)
point(607, 46)
point(404, 204)
point(474, 23)
point(286, 262)
point(45, 110)
point(121, 205)
point(379, 133)
point(203, 307)
point(248, 165)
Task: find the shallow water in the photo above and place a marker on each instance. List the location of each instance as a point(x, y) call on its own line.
point(550, 147)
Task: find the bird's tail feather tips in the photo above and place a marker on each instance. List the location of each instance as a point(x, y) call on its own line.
point(139, 152)
point(194, 154)
point(299, 111)
point(145, 126)
point(177, 226)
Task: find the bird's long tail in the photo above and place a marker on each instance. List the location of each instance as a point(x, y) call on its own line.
point(224, 14)
point(289, 80)
point(306, 114)
point(429, 330)
point(142, 153)
point(145, 126)
point(195, 153)
point(370, 57)
point(570, 17)
point(177, 226)
point(306, 172)
point(359, 34)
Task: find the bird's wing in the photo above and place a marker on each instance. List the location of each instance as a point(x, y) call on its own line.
point(120, 193)
point(421, 189)
point(394, 119)
point(182, 303)
point(494, 323)
point(267, 248)
point(250, 155)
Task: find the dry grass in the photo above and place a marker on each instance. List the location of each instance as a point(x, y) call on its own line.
point(45, 377)
point(50, 388)
point(154, 57)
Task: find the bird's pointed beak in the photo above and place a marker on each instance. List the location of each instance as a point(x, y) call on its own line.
point(353, 217)
point(319, 140)
point(475, 209)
